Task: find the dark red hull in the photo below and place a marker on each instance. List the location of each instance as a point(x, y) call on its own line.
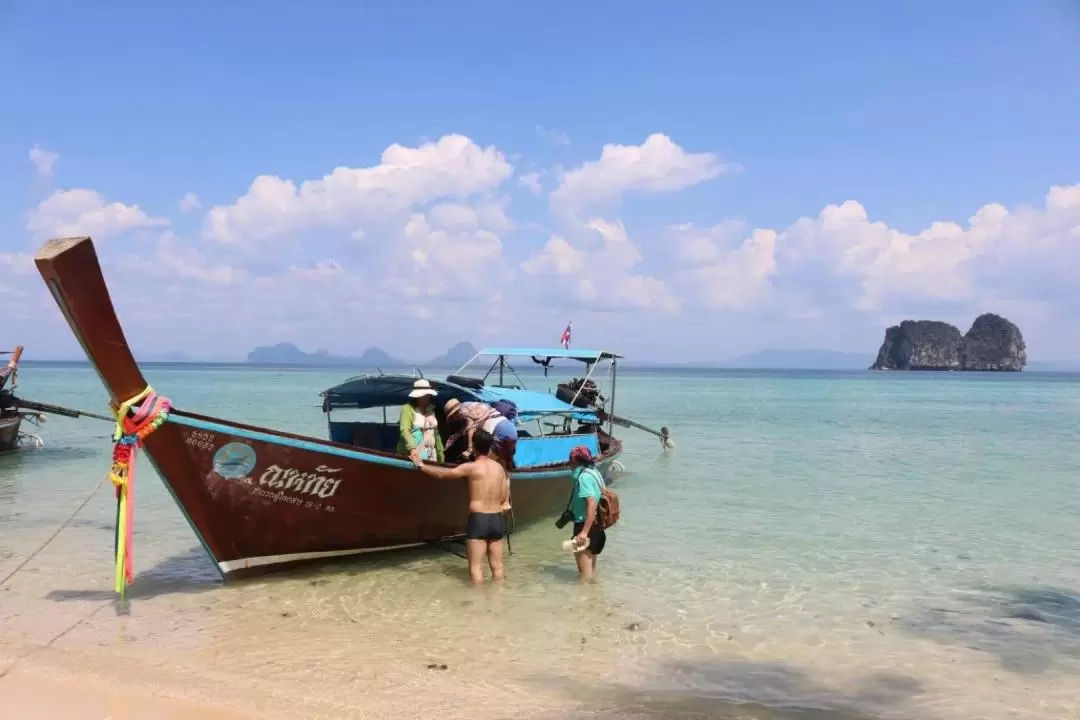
point(259, 499)
point(284, 498)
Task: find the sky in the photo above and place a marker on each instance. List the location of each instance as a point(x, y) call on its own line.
point(683, 181)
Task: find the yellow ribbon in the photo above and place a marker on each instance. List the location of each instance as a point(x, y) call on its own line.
point(124, 408)
point(121, 530)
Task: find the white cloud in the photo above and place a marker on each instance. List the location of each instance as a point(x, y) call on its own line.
point(841, 260)
point(452, 167)
point(84, 212)
point(658, 165)
point(590, 249)
point(555, 137)
point(558, 257)
point(601, 277)
point(460, 216)
point(531, 181)
point(422, 250)
point(189, 203)
point(44, 161)
point(453, 252)
point(17, 264)
point(721, 267)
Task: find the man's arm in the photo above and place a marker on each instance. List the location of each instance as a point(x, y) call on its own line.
point(455, 473)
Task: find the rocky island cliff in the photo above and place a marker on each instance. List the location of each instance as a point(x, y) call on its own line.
point(992, 344)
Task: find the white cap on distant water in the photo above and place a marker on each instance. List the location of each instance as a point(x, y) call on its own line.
point(420, 388)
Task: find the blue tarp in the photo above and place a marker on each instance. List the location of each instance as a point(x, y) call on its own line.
point(532, 404)
point(372, 391)
point(552, 450)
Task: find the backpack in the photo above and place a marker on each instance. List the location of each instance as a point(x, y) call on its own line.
point(607, 509)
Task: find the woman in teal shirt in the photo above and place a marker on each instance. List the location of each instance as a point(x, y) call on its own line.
point(584, 501)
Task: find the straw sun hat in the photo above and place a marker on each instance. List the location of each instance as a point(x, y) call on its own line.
point(420, 388)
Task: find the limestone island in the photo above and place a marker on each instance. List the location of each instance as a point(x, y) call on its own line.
point(992, 344)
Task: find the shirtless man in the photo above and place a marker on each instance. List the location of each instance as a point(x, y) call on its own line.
point(489, 491)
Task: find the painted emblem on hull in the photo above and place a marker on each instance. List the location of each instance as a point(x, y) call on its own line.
point(234, 460)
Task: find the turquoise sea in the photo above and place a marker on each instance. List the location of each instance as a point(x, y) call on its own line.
point(818, 545)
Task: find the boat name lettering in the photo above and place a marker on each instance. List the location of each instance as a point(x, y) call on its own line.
point(310, 483)
point(200, 439)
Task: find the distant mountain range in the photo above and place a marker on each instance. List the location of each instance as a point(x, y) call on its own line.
point(462, 352)
point(288, 354)
point(456, 356)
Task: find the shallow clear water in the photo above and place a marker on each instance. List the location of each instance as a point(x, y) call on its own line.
point(874, 545)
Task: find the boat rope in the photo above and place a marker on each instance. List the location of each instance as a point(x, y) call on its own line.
point(31, 556)
point(136, 419)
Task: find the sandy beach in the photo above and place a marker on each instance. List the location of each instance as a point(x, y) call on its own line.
point(30, 692)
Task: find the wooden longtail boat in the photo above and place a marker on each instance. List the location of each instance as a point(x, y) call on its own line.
point(12, 414)
point(10, 417)
point(259, 499)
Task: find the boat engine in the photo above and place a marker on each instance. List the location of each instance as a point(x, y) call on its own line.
point(580, 392)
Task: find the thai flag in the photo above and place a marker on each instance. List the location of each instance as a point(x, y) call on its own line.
point(565, 340)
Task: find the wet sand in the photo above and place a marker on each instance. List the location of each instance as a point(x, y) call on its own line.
point(48, 684)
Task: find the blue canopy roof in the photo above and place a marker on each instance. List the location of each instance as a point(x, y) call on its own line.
point(372, 391)
point(582, 354)
point(532, 404)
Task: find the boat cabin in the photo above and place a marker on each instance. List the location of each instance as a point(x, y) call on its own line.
point(549, 425)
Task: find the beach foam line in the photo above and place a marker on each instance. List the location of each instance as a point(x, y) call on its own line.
point(28, 694)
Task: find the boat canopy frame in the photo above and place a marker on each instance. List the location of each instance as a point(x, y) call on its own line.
point(543, 356)
point(370, 391)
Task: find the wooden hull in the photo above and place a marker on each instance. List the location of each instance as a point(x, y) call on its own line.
point(273, 499)
point(9, 433)
point(259, 499)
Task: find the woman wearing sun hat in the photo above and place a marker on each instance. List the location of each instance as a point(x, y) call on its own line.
point(418, 428)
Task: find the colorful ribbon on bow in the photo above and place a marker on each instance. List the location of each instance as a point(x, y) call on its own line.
point(136, 419)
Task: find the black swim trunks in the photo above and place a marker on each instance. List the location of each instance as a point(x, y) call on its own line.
point(485, 526)
point(597, 537)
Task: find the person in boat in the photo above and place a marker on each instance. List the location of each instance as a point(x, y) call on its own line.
point(584, 502)
point(505, 431)
point(468, 417)
point(489, 491)
point(418, 428)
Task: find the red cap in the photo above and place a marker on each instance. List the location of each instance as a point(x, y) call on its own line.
point(581, 455)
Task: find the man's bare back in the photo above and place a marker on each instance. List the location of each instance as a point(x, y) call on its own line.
point(489, 485)
point(489, 494)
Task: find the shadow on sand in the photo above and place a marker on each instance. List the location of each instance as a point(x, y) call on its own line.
point(193, 572)
point(1030, 628)
point(186, 573)
point(740, 690)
